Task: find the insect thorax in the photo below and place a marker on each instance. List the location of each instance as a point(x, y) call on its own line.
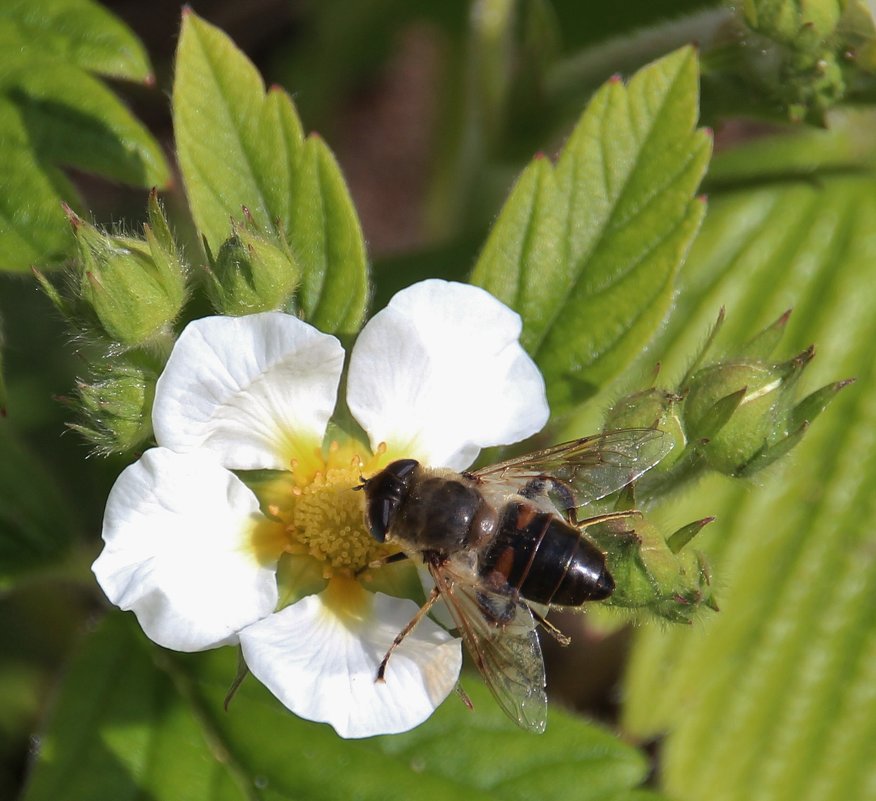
point(444, 512)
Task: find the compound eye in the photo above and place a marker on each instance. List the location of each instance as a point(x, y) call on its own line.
point(379, 516)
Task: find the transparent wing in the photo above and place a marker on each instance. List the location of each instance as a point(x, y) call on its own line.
point(499, 632)
point(591, 468)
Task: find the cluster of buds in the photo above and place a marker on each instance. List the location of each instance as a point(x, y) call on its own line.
point(253, 271)
point(123, 297)
point(736, 415)
point(804, 53)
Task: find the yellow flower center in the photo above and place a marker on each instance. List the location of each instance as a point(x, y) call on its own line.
point(321, 514)
point(328, 520)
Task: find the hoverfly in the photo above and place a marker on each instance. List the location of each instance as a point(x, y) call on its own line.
point(504, 544)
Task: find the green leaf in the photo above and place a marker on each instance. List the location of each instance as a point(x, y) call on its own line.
point(133, 720)
point(54, 114)
point(240, 146)
point(587, 251)
point(77, 32)
point(774, 697)
point(35, 517)
point(324, 226)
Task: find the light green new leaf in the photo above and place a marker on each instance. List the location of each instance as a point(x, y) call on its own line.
point(240, 147)
point(135, 721)
point(775, 697)
point(587, 251)
point(55, 114)
point(76, 32)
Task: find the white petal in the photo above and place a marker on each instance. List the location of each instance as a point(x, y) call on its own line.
point(246, 388)
point(179, 551)
point(439, 373)
point(322, 665)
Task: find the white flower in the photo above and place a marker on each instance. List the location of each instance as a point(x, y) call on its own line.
point(202, 560)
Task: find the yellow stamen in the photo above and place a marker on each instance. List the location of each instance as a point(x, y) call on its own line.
point(328, 519)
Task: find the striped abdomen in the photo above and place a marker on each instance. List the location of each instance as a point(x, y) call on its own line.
point(545, 559)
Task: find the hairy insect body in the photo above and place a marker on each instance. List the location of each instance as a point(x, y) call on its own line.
point(444, 512)
point(518, 545)
point(503, 542)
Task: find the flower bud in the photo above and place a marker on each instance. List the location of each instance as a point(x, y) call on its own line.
point(651, 408)
point(129, 289)
point(115, 407)
point(801, 26)
point(797, 424)
point(254, 271)
point(803, 51)
point(740, 412)
point(650, 575)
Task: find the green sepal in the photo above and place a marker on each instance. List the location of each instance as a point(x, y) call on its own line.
point(814, 404)
point(762, 345)
point(704, 349)
point(678, 539)
point(649, 575)
point(704, 423)
point(55, 297)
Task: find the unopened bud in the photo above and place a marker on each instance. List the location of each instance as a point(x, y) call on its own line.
point(651, 408)
point(254, 271)
point(738, 411)
point(800, 26)
point(130, 289)
point(650, 575)
point(115, 404)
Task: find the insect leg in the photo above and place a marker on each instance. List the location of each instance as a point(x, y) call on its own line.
point(384, 560)
point(550, 628)
point(542, 485)
point(412, 623)
point(592, 521)
point(463, 696)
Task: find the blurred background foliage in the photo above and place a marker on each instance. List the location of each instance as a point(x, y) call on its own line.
point(432, 110)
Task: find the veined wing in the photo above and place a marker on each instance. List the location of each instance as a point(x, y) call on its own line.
point(591, 468)
point(500, 634)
